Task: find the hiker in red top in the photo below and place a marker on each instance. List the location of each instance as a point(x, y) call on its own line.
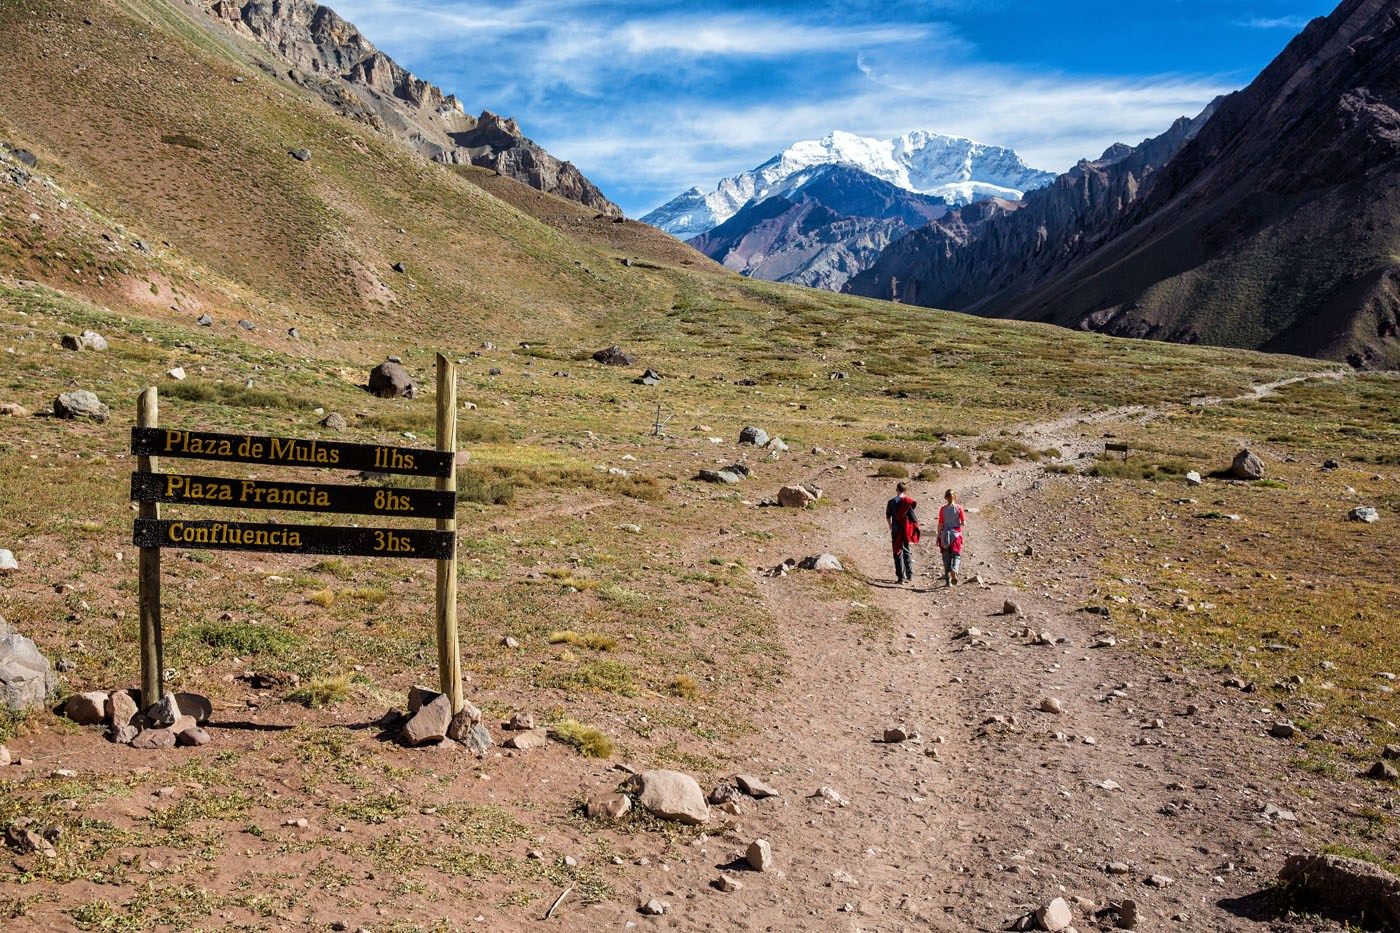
point(950, 537)
point(904, 532)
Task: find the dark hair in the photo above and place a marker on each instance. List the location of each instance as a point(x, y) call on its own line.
point(901, 487)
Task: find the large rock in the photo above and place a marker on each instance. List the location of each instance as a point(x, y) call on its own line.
point(1346, 886)
point(154, 738)
point(614, 356)
point(670, 795)
point(1247, 465)
point(759, 855)
point(826, 563)
point(390, 380)
point(1364, 513)
point(727, 476)
point(752, 435)
point(430, 723)
point(8, 564)
point(92, 340)
point(122, 707)
point(86, 709)
point(795, 497)
point(1054, 915)
point(81, 403)
point(195, 706)
point(609, 806)
point(26, 678)
point(164, 712)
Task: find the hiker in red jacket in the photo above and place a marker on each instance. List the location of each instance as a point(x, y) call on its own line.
point(904, 532)
point(950, 537)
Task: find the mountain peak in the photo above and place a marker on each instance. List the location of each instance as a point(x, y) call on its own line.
point(953, 168)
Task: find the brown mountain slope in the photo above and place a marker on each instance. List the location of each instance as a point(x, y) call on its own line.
point(1273, 228)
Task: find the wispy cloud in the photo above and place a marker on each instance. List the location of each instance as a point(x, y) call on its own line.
point(1291, 23)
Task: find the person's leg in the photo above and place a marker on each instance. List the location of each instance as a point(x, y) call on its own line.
point(947, 565)
point(954, 566)
point(899, 566)
point(908, 557)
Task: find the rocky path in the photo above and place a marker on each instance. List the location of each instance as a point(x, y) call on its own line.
point(1143, 788)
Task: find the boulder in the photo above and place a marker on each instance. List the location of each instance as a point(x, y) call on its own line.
point(165, 712)
point(4, 757)
point(86, 709)
point(1054, 915)
point(795, 497)
point(26, 678)
point(609, 806)
point(8, 564)
point(1010, 608)
point(825, 563)
point(478, 739)
point(726, 477)
point(1193, 478)
point(1346, 886)
point(1247, 465)
point(70, 342)
point(759, 855)
point(192, 737)
point(194, 705)
point(467, 718)
point(754, 787)
point(334, 422)
point(14, 410)
point(530, 738)
point(92, 340)
point(246, 324)
point(649, 378)
point(124, 735)
point(205, 320)
point(391, 380)
point(521, 721)
point(154, 738)
point(430, 723)
point(80, 403)
point(752, 435)
point(178, 374)
point(670, 795)
point(1364, 513)
point(122, 707)
point(776, 444)
point(614, 356)
point(301, 155)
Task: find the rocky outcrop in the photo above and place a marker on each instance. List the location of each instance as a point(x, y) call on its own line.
point(324, 53)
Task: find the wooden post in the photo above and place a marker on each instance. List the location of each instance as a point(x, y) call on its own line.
point(449, 649)
point(152, 648)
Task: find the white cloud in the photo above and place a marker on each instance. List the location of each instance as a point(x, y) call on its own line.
point(1291, 23)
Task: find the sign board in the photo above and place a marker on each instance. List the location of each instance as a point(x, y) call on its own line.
point(1117, 448)
point(152, 533)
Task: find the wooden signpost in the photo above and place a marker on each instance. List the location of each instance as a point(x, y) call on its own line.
point(150, 487)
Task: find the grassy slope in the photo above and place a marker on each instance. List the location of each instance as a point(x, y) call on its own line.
point(252, 233)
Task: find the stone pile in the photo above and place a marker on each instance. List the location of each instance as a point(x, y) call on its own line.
point(430, 721)
point(177, 719)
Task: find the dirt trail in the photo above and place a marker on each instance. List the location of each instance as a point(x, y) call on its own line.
point(997, 806)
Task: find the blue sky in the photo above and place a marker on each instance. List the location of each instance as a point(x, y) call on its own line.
point(651, 98)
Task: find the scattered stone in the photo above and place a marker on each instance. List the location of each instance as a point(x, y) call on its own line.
point(1193, 478)
point(1118, 868)
point(463, 722)
point(294, 333)
point(533, 738)
point(24, 836)
point(614, 356)
point(728, 476)
point(301, 155)
point(759, 855)
point(832, 794)
point(728, 884)
point(390, 380)
point(1347, 886)
point(1247, 465)
point(81, 403)
point(14, 410)
point(1391, 752)
point(429, 723)
point(648, 378)
point(1364, 513)
point(399, 267)
point(654, 908)
point(1103, 641)
point(1283, 730)
point(1052, 705)
point(510, 642)
point(70, 342)
point(204, 320)
point(521, 721)
point(611, 806)
point(795, 497)
point(124, 735)
point(752, 435)
point(334, 422)
point(178, 373)
point(8, 564)
point(478, 740)
point(670, 795)
point(246, 324)
point(1011, 608)
point(1127, 915)
point(1381, 771)
point(1159, 881)
point(754, 787)
point(897, 734)
point(825, 563)
point(722, 791)
point(86, 709)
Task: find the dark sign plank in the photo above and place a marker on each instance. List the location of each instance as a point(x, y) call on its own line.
point(1122, 448)
point(228, 493)
point(294, 539)
point(288, 451)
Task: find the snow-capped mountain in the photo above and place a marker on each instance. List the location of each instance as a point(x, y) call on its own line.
point(953, 168)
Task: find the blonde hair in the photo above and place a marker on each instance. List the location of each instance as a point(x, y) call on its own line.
point(950, 495)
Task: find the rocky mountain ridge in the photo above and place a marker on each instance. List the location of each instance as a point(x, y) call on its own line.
point(953, 168)
point(329, 56)
point(822, 226)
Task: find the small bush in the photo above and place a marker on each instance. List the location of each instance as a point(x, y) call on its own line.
point(322, 598)
point(948, 453)
point(592, 640)
point(897, 454)
point(927, 475)
point(893, 470)
point(590, 741)
point(602, 676)
point(1138, 467)
point(683, 686)
point(321, 692)
point(371, 595)
point(193, 390)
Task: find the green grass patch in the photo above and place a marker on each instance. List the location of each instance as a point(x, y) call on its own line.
point(321, 692)
point(590, 741)
point(592, 640)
